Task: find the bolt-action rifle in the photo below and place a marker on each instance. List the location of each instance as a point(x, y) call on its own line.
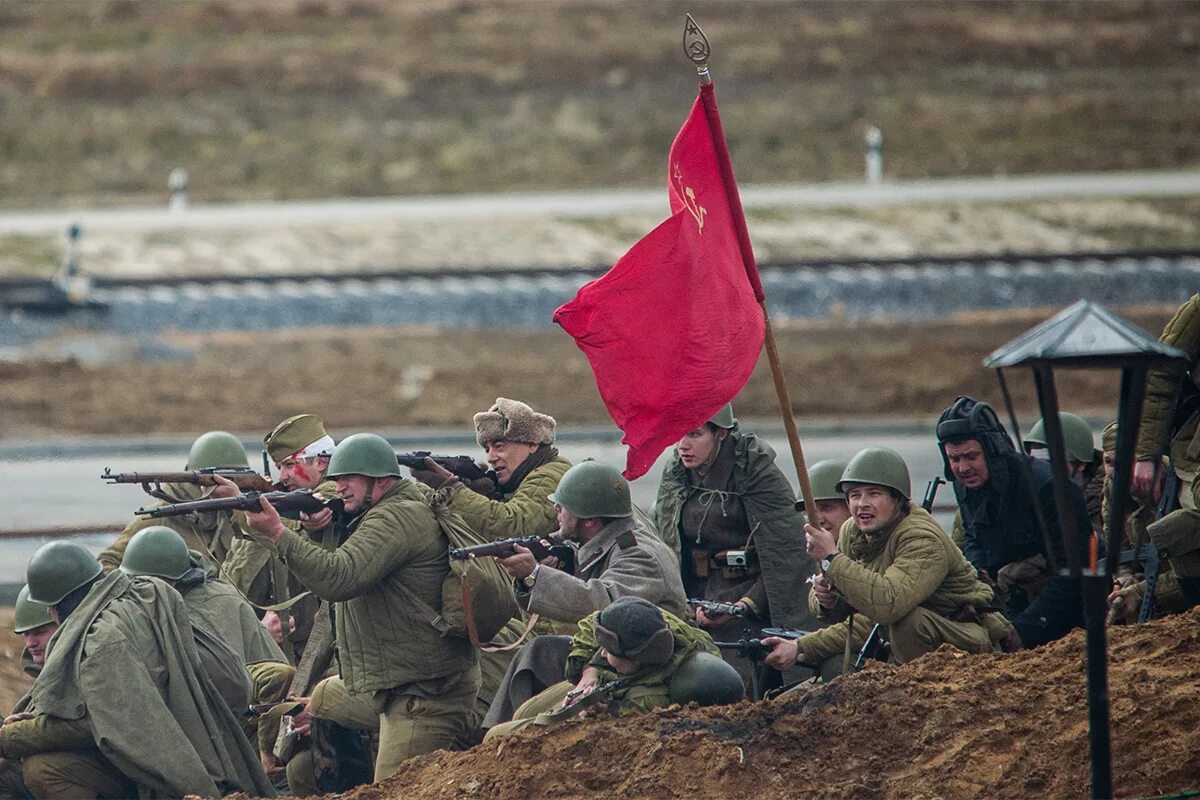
point(288, 504)
point(541, 548)
point(245, 478)
point(462, 466)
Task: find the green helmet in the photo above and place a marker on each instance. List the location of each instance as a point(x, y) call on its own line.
point(724, 418)
point(364, 454)
point(591, 489)
point(1077, 437)
point(707, 680)
point(57, 569)
point(881, 466)
point(823, 476)
point(217, 449)
point(157, 551)
point(28, 615)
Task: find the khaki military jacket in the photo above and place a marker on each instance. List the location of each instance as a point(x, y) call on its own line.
point(1162, 384)
point(211, 533)
point(218, 607)
point(383, 641)
point(525, 512)
point(918, 565)
point(621, 560)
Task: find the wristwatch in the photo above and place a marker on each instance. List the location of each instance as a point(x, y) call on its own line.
point(531, 578)
point(827, 561)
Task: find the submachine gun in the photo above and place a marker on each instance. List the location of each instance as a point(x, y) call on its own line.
point(753, 649)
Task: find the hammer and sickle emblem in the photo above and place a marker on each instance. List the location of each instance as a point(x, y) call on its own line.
point(698, 211)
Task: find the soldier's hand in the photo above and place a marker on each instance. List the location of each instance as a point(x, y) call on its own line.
point(318, 521)
point(1012, 643)
point(784, 652)
point(1124, 604)
point(1146, 482)
point(224, 487)
point(588, 682)
point(823, 589)
point(18, 717)
point(433, 474)
point(300, 722)
point(520, 563)
point(270, 763)
point(705, 620)
point(273, 624)
point(266, 520)
point(819, 542)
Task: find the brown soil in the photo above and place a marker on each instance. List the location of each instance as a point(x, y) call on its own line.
point(13, 682)
point(947, 726)
point(383, 378)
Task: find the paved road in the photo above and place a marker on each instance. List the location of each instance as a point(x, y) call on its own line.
point(593, 203)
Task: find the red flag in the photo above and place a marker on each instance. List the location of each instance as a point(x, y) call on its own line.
point(674, 329)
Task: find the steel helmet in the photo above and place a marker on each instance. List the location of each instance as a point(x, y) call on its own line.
point(823, 477)
point(364, 454)
point(28, 615)
point(591, 489)
point(157, 551)
point(707, 680)
point(724, 417)
point(57, 569)
point(215, 450)
point(882, 466)
point(1077, 438)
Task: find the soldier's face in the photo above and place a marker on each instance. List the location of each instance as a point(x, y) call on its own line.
point(353, 490)
point(302, 473)
point(967, 463)
point(696, 446)
point(568, 523)
point(1110, 460)
point(831, 514)
point(37, 639)
point(505, 456)
point(621, 664)
point(873, 507)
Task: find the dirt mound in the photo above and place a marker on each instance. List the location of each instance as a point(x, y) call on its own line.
point(13, 682)
point(946, 726)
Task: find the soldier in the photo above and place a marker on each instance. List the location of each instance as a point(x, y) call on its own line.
point(893, 565)
point(832, 508)
point(422, 685)
point(616, 558)
point(209, 533)
point(1083, 460)
point(32, 621)
point(1171, 412)
point(654, 657)
point(519, 443)
point(159, 552)
point(731, 514)
point(300, 448)
point(1002, 536)
point(123, 707)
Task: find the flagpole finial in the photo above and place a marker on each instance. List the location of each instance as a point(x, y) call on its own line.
point(696, 48)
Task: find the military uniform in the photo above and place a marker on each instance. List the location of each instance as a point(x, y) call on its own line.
point(423, 685)
point(123, 706)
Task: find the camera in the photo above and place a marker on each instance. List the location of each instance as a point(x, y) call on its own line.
point(736, 558)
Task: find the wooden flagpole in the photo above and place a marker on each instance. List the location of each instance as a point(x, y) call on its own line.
point(695, 45)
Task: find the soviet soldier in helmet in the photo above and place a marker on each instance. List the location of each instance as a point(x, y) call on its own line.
point(616, 558)
point(33, 623)
point(1000, 493)
point(123, 706)
point(422, 685)
point(731, 515)
point(1084, 461)
point(893, 566)
point(210, 533)
point(653, 656)
point(831, 514)
point(218, 608)
point(518, 443)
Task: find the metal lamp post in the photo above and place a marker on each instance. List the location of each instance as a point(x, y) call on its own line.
point(1089, 336)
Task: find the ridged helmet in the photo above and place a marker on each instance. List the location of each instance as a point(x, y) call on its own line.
point(823, 477)
point(157, 551)
point(216, 450)
point(1077, 437)
point(591, 489)
point(724, 417)
point(28, 615)
point(57, 569)
point(881, 466)
point(968, 418)
point(707, 680)
point(364, 454)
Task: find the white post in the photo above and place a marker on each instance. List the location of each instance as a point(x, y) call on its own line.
point(177, 183)
point(874, 155)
